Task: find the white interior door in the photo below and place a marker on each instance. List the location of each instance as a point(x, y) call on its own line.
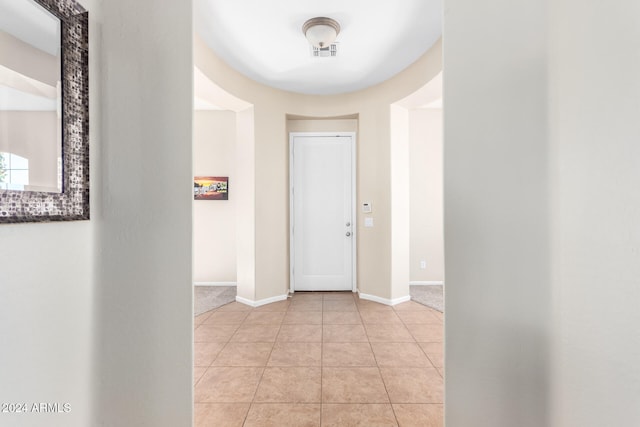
point(322, 229)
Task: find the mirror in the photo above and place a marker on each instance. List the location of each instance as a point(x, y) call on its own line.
point(30, 107)
point(44, 154)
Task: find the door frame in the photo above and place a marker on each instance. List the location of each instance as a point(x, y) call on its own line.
point(354, 198)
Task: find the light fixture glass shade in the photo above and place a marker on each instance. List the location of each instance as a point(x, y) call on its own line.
point(321, 32)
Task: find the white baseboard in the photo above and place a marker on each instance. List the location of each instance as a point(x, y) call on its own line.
point(441, 283)
point(385, 301)
point(215, 284)
point(258, 303)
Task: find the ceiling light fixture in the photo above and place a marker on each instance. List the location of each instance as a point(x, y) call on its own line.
point(321, 31)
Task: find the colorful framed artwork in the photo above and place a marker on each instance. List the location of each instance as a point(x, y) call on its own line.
point(211, 188)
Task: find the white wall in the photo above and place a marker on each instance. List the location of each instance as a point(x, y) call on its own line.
point(595, 93)
point(47, 291)
point(245, 205)
point(498, 298)
point(427, 239)
point(541, 213)
point(400, 203)
point(214, 221)
point(144, 311)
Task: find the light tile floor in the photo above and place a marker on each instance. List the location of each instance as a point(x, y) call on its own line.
point(319, 359)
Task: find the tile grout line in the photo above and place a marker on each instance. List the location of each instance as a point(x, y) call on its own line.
point(204, 342)
point(433, 365)
point(255, 393)
point(420, 347)
point(384, 384)
point(321, 358)
point(211, 363)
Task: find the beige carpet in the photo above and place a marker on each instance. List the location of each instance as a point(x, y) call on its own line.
point(431, 296)
point(207, 298)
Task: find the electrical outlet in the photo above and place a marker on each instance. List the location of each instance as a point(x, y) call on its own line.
point(423, 264)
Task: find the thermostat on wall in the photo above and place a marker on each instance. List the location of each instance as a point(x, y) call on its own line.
point(366, 207)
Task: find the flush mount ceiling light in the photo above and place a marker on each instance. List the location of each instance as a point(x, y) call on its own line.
point(321, 31)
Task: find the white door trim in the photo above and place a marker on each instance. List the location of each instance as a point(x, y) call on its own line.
point(354, 232)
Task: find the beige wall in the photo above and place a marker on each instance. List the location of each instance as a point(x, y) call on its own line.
point(214, 221)
point(322, 125)
point(427, 240)
point(271, 108)
point(28, 60)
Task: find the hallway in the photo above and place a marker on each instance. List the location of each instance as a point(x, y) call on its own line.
point(319, 359)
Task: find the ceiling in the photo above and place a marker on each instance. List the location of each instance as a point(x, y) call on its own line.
point(263, 40)
point(31, 23)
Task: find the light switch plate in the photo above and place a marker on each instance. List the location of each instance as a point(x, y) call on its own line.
point(368, 222)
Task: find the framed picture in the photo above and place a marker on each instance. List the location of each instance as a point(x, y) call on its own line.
point(211, 188)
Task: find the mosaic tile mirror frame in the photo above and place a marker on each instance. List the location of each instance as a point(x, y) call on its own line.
point(72, 203)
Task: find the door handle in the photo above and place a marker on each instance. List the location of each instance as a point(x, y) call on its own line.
point(348, 233)
point(348, 224)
